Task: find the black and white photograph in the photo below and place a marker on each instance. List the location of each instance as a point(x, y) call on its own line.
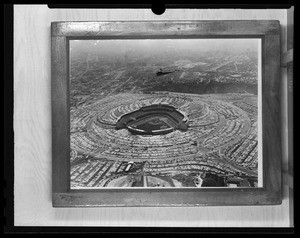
point(126, 118)
point(165, 113)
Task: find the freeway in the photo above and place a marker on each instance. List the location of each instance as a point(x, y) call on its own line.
point(250, 172)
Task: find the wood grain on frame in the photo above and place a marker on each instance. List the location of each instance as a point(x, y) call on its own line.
point(165, 28)
point(271, 191)
point(60, 115)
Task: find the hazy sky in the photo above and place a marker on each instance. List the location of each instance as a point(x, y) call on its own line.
point(166, 44)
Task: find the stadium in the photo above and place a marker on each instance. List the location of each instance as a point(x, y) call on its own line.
point(162, 135)
point(155, 119)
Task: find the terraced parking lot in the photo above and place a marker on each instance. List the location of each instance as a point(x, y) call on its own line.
point(217, 127)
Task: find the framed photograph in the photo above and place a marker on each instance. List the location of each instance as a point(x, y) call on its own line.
point(166, 113)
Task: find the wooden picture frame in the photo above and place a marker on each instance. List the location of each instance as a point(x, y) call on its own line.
point(267, 31)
